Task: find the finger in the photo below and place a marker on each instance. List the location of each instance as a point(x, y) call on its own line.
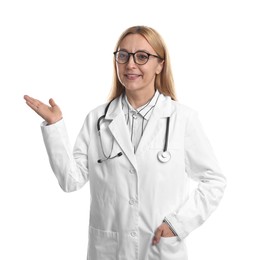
point(32, 106)
point(167, 232)
point(157, 236)
point(34, 102)
point(30, 99)
point(52, 102)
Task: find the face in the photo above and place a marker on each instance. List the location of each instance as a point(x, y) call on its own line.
point(134, 77)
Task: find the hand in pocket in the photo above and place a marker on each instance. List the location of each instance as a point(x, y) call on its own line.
point(162, 231)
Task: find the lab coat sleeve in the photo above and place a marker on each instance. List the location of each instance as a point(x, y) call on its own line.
point(202, 166)
point(69, 167)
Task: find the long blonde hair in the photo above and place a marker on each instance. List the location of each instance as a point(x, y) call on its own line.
point(164, 82)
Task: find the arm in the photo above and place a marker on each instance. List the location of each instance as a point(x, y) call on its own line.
point(70, 168)
point(201, 166)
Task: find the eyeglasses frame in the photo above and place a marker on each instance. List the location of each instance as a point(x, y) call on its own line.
point(133, 54)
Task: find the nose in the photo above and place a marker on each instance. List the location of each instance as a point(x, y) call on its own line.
point(131, 61)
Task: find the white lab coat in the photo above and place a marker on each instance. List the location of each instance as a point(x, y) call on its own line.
point(133, 193)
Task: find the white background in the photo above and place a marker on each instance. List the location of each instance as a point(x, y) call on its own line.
point(63, 49)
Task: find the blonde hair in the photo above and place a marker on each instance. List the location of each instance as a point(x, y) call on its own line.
point(164, 82)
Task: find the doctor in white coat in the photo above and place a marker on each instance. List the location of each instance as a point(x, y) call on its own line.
point(139, 153)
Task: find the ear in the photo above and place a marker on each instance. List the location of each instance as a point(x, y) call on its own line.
point(159, 67)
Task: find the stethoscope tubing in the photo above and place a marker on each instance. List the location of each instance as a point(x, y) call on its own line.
point(163, 156)
point(166, 133)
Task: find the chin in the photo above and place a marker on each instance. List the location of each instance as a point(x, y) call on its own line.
point(132, 88)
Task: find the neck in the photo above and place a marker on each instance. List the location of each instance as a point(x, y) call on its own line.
point(138, 100)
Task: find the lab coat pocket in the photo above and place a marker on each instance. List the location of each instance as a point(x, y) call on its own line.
point(102, 244)
point(172, 248)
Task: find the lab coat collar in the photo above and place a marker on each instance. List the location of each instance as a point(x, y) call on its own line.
point(119, 130)
point(145, 111)
point(163, 108)
point(118, 127)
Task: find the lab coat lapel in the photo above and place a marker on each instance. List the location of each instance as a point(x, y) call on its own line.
point(162, 109)
point(120, 131)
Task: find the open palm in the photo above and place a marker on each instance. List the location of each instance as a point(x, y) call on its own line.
point(50, 114)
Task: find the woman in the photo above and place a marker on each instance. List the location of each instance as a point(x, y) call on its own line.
point(138, 153)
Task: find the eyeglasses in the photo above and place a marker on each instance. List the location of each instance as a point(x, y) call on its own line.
point(139, 57)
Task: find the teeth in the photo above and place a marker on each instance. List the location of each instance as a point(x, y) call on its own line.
point(132, 76)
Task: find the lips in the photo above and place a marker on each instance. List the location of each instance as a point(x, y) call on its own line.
point(132, 76)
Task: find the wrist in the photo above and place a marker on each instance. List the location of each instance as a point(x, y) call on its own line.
point(170, 227)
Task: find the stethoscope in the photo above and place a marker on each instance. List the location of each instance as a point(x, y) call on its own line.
point(163, 156)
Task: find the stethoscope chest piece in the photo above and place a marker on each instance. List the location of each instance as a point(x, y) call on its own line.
point(164, 156)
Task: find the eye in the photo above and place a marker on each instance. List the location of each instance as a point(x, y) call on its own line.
point(142, 56)
point(122, 55)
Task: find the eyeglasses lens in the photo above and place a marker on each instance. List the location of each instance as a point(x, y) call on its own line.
point(139, 57)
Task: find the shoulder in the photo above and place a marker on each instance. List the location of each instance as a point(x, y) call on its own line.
point(179, 108)
point(93, 115)
point(183, 108)
point(101, 109)
point(187, 117)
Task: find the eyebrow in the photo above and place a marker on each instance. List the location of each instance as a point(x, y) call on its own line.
point(135, 51)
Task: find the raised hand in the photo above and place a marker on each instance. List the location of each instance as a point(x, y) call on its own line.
point(51, 114)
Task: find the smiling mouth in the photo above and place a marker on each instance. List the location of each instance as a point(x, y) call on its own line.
point(132, 76)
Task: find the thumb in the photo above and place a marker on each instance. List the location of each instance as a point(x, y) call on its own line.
point(52, 102)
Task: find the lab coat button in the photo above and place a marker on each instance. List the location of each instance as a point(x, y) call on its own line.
point(132, 171)
point(133, 234)
point(131, 201)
